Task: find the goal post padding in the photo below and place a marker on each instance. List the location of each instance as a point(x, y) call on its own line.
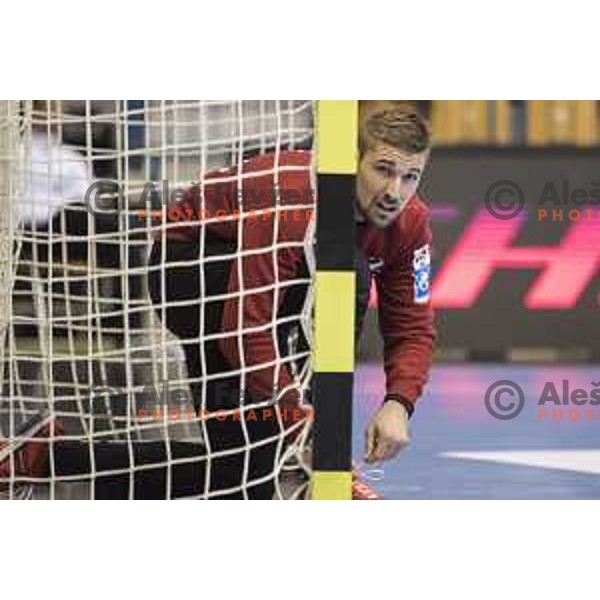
point(335, 299)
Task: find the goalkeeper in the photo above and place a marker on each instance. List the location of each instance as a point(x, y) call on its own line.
point(260, 284)
point(394, 242)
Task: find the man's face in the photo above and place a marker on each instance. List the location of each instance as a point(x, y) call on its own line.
point(387, 179)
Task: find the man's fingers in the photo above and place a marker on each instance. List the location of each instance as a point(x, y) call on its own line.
point(371, 443)
point(386, 449)
point(387, 433)
point(381, 448)
point(395, 449)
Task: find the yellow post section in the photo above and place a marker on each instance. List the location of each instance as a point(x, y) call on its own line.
point(337, 129)
point(332, 485)
point(333, 351)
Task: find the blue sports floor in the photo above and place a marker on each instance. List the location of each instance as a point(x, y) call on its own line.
point(554, 459)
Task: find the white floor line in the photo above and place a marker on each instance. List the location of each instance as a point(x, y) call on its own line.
point(580, 461)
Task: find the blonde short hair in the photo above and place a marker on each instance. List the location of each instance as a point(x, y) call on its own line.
point(401, 127)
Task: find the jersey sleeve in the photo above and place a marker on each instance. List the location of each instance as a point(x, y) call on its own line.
point(406, 314)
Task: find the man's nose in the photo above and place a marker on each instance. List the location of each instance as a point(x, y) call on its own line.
point(393, 188)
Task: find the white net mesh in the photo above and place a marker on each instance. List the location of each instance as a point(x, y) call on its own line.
point(9, 147)
point(137, 341)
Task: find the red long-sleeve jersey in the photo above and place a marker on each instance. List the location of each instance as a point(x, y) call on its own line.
point(400, 259)
point(272, 246)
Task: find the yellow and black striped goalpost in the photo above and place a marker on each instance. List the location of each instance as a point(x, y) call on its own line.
point(337, 147)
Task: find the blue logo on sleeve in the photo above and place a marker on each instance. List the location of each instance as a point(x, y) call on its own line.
point(422, 274)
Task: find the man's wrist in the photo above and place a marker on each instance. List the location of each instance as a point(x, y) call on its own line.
point(409, 406)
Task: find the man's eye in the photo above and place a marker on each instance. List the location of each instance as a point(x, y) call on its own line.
point(409, 178)
point(383, 170)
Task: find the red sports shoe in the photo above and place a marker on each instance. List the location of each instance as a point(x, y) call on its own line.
point(363, 491)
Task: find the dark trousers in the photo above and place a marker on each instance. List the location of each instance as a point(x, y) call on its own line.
point(181, 282)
